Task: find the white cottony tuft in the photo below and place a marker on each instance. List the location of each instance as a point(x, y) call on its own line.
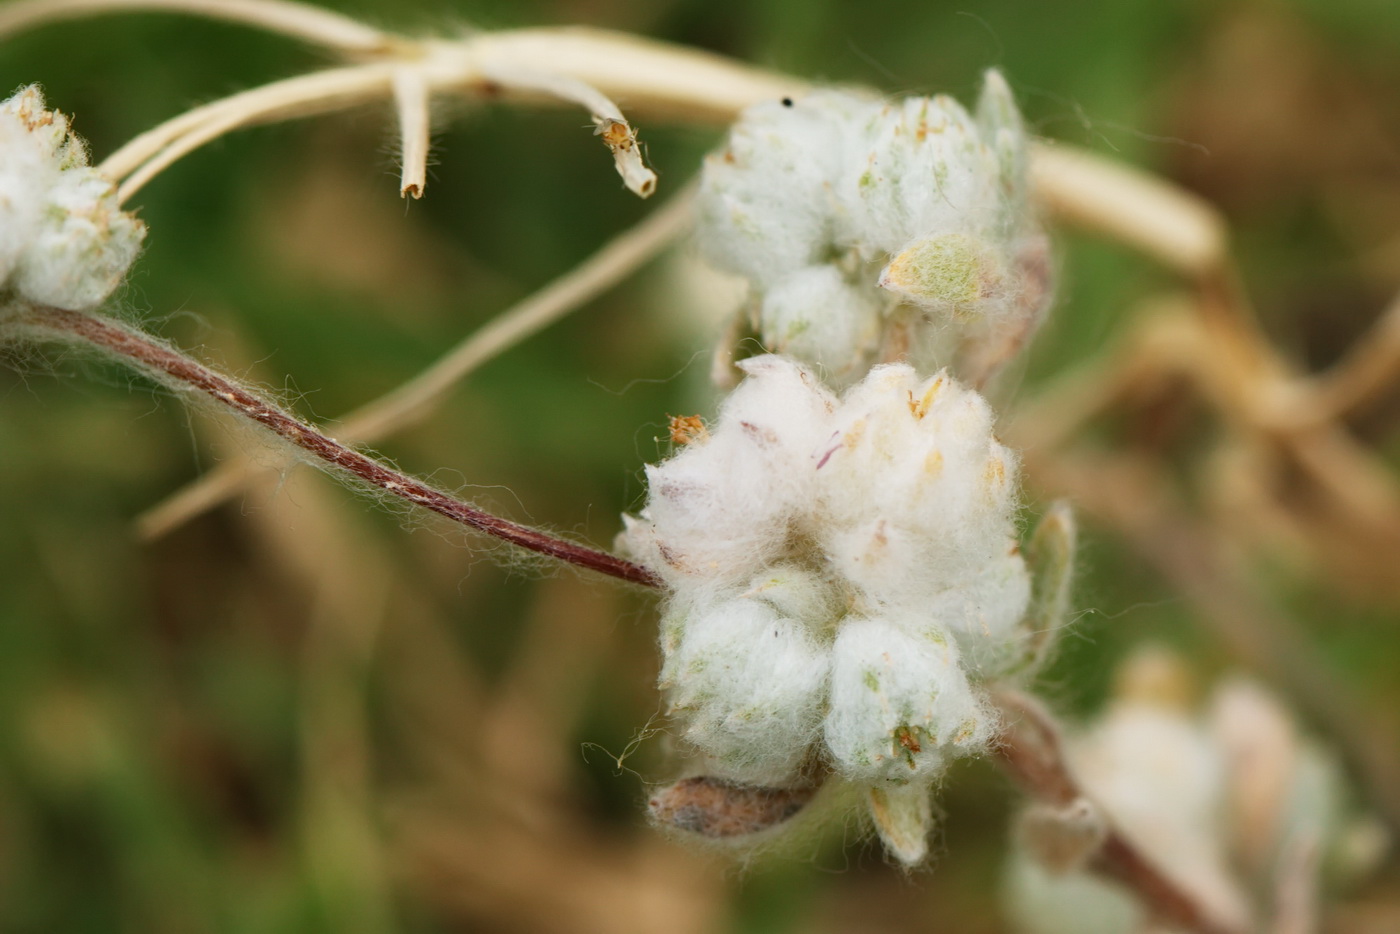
point(723, 505)
point(768, 206)
point(842, 576)
point(818, 315)
point(916, 212)
point(901, 705)
point(64, 240)
point(748, 682)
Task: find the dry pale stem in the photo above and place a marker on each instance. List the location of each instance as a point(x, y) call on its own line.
point(591, 67)
point(1245, 384)
point(1135, 208)
point(1372, 367)
point(298, 20)
point(151, 153)
point(560, 65)
point(1030, 752)
point(608, 121)
point(178, 371)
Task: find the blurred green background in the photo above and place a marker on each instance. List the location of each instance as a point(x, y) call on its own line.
point(304, 712)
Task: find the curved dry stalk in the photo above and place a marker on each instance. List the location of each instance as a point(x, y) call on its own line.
point(305, 95)
point(590, 67)
point(1031, 753)
point(656, 79)
point(418, 73)
point(1148, 213)
point(302, 21)
point(1372, 365)
point(182, 373)
point(416, 399)
point(550, 65)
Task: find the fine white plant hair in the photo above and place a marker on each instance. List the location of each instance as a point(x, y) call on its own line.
point(846, 599)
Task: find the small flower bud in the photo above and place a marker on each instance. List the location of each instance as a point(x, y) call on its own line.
point(942, 509)
point(816, 315)
point(901, 706)
point(725, 504)
point(950, 272)
point(748, 685)
point(1060, 839)
point(903, 817)
point(766, 205)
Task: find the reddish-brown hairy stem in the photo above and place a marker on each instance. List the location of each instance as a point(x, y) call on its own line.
point(177, 370)
point(1030, 752)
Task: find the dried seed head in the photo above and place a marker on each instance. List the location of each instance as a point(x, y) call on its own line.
point(719, 808)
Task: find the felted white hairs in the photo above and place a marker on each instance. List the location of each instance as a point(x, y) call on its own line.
point(842, 574)
point(64, 241)
point(872, 231)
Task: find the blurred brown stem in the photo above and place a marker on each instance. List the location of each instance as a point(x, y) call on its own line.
point(174, 369)
point(1031, 753)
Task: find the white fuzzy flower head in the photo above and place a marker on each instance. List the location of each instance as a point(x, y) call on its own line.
point(842, 574)
point(1151, 767)
point(64, 240)
point(871, 231)
point(1221, 801)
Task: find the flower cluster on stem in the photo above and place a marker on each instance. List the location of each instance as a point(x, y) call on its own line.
point(842, 575)
point(871, 231)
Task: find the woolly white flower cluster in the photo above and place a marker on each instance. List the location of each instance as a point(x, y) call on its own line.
point(842, 572)
point(64, 240)
point(871, 231)
point(1226, 802)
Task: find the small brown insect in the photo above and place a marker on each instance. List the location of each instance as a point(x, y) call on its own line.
point(617, 135)
point(686, 429)
point(720, 809)
point(907, 739)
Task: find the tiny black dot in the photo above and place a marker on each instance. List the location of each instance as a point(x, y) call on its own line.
point(787, 102)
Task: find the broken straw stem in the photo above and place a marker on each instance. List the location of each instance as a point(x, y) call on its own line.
point(178, 371)
point(608, 121)
point(411, 95)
